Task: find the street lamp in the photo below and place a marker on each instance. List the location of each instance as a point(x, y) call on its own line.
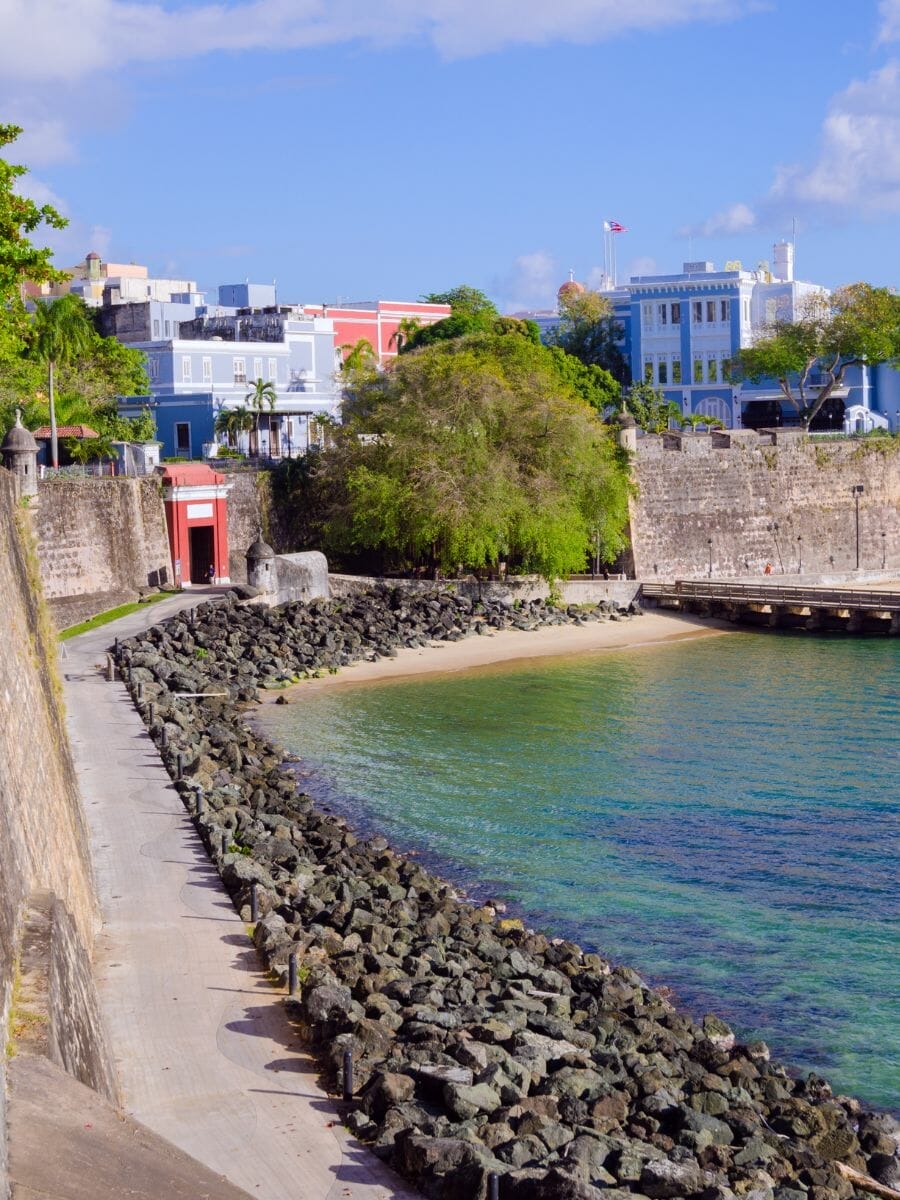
point(883, 550)
point(857, 490)
point(709, 543)
point(799, 553)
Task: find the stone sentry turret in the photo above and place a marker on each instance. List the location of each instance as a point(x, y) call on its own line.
point(626, 431)
point(279, 578)
point(262, 569)
point(20, 451)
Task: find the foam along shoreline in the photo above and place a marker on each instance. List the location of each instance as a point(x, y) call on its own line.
point(512, 645)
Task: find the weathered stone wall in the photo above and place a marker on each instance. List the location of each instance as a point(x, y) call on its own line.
point(716, 501)
point(524, 588)
point(43, 837)
point(99, 542)
point(249, 507)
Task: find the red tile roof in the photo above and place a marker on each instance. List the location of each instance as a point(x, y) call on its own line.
point(67, 431)
point(190, 475)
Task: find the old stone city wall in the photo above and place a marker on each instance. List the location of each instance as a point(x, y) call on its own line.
point(102, 541)
point(44, 854)
point(249, 512)
point(714, 501)
point(99, 542)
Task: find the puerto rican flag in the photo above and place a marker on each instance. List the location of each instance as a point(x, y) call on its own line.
point(614, 227)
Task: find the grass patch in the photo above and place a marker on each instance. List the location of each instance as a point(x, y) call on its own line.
point(111, 614)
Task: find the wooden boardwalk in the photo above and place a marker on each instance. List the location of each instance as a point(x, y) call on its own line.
point(843, 610)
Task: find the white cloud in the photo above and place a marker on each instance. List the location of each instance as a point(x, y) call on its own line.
point(44, 140)
point(644, 264)
point(52, 40)
point(889, 11)
point(738, 218)
point(530, 283)
point(35, 189)
point(857, 169)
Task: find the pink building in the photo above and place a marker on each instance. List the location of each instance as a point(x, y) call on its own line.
point(377, 321)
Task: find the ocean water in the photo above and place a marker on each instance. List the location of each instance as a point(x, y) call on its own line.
point(719, 814)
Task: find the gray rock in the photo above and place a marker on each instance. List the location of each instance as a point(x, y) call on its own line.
point(466, 1101)
point(325, 1003)
point(662, 1179)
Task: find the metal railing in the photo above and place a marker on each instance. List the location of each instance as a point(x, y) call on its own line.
point(768, 593)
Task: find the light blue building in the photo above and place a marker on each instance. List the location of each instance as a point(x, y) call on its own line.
point(680, 332)
point(686, 328)
point(211, 361)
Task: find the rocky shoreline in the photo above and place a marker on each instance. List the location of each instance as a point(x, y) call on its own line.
point(484, 1055)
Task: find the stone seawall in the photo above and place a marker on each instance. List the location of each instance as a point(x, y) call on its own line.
point(99, 542)
point(478, 1048)
point(522, 589)
point(709, 504)
point(43, 837)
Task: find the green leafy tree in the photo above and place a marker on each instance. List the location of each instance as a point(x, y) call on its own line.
point(88, 450)
point(124, 429)
point(261, 397)
point(100, 370)
point(587, 331)
point(592, 383)
point(62, 333)
point(650, 408)
point(465, 301)
point(470, 452)
point(470, 312)
point(809, 357)
point(20, 262)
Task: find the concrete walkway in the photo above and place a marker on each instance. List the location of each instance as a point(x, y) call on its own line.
point(205, 1054)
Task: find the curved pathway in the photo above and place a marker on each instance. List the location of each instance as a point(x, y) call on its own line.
point(205, 1054)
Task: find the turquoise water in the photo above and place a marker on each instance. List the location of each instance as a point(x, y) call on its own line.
point(720, 814)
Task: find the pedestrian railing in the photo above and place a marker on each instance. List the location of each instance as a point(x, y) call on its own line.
point(768, 593)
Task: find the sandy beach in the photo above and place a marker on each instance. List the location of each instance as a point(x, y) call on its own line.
point(510, 645)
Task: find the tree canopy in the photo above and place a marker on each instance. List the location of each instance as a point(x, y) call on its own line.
point(471, 312)
point(809, 357)
point(86, 382)
point(588, 331)
point(20, 260)
point(650, 408)
point(468, 453)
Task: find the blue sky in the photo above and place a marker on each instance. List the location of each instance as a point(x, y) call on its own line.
point(355, 150)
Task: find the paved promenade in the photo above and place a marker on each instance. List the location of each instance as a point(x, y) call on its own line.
point(205, 1055)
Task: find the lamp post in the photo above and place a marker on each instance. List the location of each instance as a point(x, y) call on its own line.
point(799, 553)
point(709, 544)
point(883, 550)
point(857, 490)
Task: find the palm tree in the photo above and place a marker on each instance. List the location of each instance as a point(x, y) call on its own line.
point(262, 396)
point(407, 327)
point(232, 422)
point(360, 356)
point(62, 332)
